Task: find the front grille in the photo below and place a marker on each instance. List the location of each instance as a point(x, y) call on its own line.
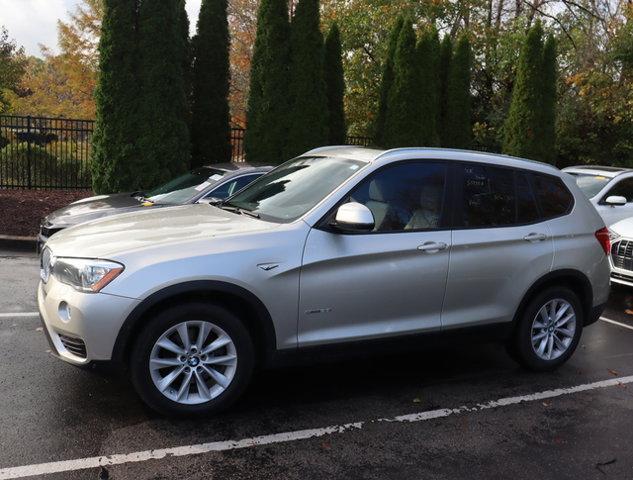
point(76, 346)
point(619, 276)
point(622, 254)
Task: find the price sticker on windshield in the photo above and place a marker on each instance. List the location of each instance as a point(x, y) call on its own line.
point(202, 186)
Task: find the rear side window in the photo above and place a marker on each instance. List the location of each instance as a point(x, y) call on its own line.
point(527, 209)
point(553, 197)
point(488, 197)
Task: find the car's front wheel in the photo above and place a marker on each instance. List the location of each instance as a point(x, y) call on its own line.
point(195, 358)
point(549, 329)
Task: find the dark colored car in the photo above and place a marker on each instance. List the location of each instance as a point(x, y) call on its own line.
point(204, 184)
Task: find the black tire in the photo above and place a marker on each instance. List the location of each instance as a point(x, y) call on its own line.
point(216, 314)
point(520, 347)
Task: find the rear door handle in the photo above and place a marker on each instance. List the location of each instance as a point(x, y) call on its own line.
point(535, 237)
point(432, 247)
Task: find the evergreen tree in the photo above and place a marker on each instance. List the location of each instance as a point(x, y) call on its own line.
point(210, 129)
point(459, 110)
point(548, 109)
point(164, 146)
point(187, 57)
point(387, 82)
point(308, 116)
point(114, 154)
point(522, 128)
point(335, 84)
point(268, 98)
point(428, 58)
point(446, 56)
point(402, 126)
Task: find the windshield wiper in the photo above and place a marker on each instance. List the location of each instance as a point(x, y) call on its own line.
point(249, 213)
point(228, 208)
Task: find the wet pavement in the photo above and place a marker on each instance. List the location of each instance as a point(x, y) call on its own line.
point(51, 412)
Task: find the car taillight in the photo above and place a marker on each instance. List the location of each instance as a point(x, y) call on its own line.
point(604, 239)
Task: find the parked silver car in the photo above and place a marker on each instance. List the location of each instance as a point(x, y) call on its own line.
point(203, 184)
point(342, 246)
point(610, 190)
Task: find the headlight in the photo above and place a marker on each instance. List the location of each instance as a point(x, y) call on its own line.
point(85, 274)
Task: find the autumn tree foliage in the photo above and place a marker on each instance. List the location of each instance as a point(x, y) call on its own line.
point(115, 157)
point(335, 87)
point(210, 127)
point(268, 99)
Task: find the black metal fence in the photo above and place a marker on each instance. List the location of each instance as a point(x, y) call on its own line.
point(42, 152)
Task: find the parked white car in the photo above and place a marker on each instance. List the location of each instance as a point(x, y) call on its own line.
point(622, 252)
point(610, 189)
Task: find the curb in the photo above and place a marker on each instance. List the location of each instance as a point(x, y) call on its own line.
point(22, 244)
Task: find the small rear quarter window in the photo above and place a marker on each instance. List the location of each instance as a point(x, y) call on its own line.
point(553, 196)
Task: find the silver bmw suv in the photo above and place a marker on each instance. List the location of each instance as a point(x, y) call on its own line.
point(342, 246)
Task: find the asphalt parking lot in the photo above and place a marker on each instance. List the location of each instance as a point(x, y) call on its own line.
point(467, 412)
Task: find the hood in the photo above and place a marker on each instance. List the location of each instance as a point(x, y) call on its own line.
point(91, 209)
point(623, 228)
point(152, 228)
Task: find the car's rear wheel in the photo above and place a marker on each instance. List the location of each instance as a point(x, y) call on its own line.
point(549, 329)
point(195, 358)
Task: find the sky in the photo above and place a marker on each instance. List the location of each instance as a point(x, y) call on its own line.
point(34, 22)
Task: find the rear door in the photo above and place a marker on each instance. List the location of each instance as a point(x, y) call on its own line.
point(500, 245)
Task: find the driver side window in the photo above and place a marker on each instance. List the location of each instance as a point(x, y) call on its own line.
point(404, 197)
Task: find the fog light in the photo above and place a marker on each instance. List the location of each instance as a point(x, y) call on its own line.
point(64, 312)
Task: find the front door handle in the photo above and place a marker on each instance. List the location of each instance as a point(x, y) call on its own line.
point(535, 237)
point(432, 247)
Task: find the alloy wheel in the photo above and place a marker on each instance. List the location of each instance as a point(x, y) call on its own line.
point(553, 329)
point(193, 362)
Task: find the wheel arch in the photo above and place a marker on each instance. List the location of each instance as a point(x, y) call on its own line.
point(251, 309)
point(575, 280)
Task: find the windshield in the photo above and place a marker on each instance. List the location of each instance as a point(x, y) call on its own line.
point(294, 188)
point(590, 184)
point(186, 187)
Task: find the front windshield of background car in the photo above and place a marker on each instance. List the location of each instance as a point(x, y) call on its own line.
point(590, 184)
point(186, 187)
point(294, 188)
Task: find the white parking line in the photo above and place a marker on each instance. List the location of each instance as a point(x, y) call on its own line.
point(619, 324)
point(19, 315)
point(183, 451)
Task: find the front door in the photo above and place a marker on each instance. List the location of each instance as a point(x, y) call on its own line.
point(388, 281)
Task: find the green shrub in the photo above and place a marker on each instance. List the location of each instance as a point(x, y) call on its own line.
point(21, 165)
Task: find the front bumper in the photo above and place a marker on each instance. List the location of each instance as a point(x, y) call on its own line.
point(94, 321)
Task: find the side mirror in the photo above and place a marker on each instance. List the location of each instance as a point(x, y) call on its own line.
point(354, 217)
point(211, 200)
point(615, 201)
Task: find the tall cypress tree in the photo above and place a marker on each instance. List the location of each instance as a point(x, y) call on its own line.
point(164, 143)
point(308, 116)
point(522, 128)
point(446, 57)
point(387, 82)
point(210, 128)
point(268, 98)
point(428, 58)
point(548, 110)
point(459, 109)
point(114, 154)
point(187, 56)
point(402, 126)
point(335, 85)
